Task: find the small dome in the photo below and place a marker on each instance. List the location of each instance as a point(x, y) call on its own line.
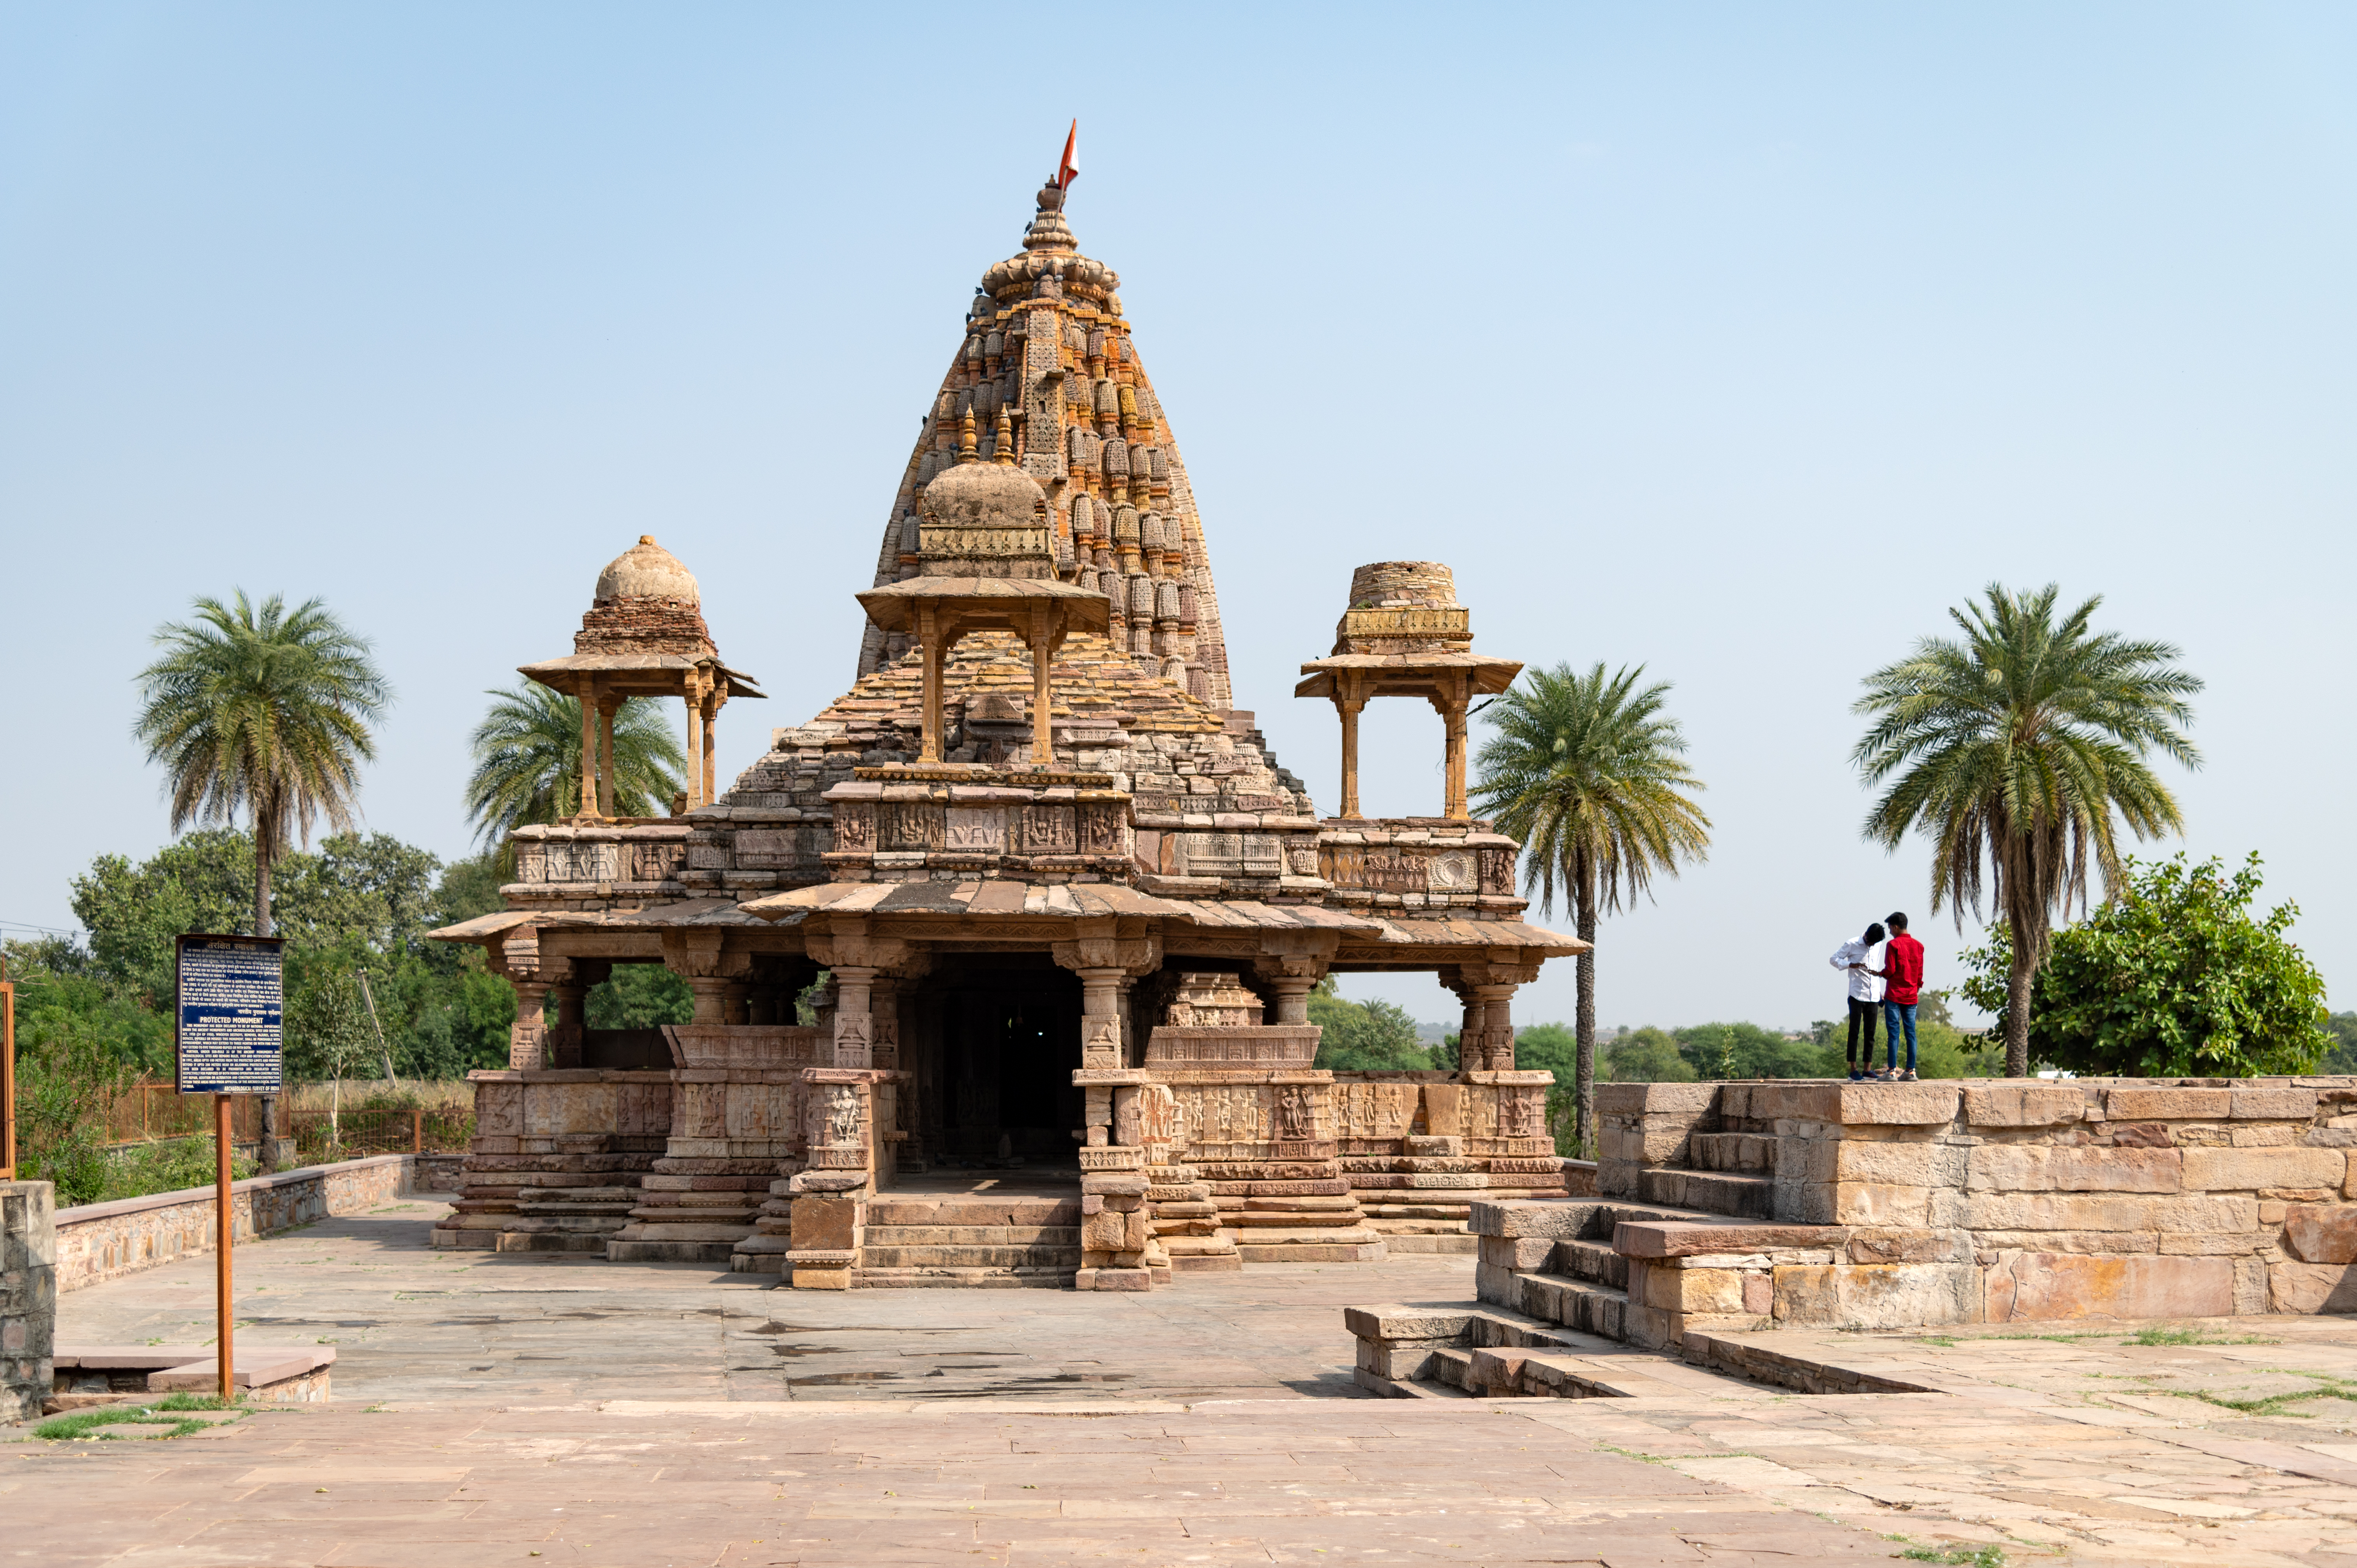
point(981, 495)
point(646, 570)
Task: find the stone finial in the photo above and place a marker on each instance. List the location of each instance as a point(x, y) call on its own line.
point(969, 449)
point(646, 570)
point(1004, 454)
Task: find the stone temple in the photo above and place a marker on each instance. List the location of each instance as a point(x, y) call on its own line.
point(1068, 906)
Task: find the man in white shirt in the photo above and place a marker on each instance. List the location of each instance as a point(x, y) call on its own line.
point(1857, 960)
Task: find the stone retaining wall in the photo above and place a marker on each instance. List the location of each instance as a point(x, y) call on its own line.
point(29, 1296)
point(1913, 1204)
point(101, 1240)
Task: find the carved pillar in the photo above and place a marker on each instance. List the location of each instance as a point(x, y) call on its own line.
point(1348, 702)
point(1452, 702)
point(695, 702)
point(854, 1020)
point(1471, 1046)
point(884, 1021)
point(1497, 1027)
point(1101, 1010)
point(527, 1037)
point(1042, 650)
point(606, 706)
point(562, 1047)
point(928, 635)
point(588, 695)
point(711, 997)
point(716, 699)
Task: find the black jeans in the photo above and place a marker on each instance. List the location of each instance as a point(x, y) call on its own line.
point(1861, 1016)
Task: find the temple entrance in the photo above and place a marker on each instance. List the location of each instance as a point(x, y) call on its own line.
point(996, 1039)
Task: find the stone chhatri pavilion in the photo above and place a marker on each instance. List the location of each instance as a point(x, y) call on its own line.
point(1069, 907)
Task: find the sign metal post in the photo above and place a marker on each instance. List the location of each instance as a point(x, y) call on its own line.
point(8, 1080)
point(227, 1039)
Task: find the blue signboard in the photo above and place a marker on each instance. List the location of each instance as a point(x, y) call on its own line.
point(230, 1032)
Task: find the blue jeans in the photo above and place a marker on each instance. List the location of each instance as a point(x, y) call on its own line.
point(1894, 1014)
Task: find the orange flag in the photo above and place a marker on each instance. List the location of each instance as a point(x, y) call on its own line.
point(1069, 169)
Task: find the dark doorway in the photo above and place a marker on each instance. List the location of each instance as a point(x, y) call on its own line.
point(997, 1039)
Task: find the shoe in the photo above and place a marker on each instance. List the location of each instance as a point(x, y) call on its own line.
point(1855, 1076)
point(1908, 1076)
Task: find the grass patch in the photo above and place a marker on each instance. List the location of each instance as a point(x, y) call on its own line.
point(89, 1425)
point(2329, 1387)
point(2172, 1334)
point(1990, 1556)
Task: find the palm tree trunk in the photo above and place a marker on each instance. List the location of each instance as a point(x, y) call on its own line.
point(265, 846)
point(2017, 988)
point(1583, 1024)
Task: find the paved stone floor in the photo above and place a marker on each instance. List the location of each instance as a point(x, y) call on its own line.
point(515, 1410)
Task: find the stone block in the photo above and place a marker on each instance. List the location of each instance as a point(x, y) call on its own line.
point(1874, 1295)
point(2127, 1104)
point(1654, 1098)
point(2041, 1167)
point(2312, 1287)
point(1523, 1252)
point(2182, 1213)
point(2273, 1104)
point(2023, 1105)
point(2266, 1134)
point(1670, 1239)
point(1895, 1164)
point(1759, 1293)
point(2321, 1232)
point(2039, 1286)
point(1897, 1104)
point(826, 1224)
point(1881, 1203)
point(1673, 1289)
point(1536, 1217)
point(1908, 1246)
point(2243, 1170)
point(1617, 1178)
point(2252, 1290)
point(1393, 1321)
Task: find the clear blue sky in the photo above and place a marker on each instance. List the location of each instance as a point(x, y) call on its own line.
point(1739, 341)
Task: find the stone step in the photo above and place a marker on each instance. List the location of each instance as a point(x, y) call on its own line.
point(1582, 1306)
point(1593, 1261)
point(963, 1279)
point(718, 1254)
point(1745, 1152)
point(1712, 1192)
point(972, 1257)
point(973, 1235)
point(890, 1211)
point(1310, 1253)
point(1459, 1245)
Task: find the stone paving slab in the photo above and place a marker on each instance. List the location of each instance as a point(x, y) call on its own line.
point(489, 1407)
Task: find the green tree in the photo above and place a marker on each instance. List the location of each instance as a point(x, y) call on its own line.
point(1745, 1051)
point(528, 761)
point(2172, 977)
point(2020, 750)
point(1364, 1036)
point(2342, 1057)
point(639, 996)
point(266, 711)
point(1589, 772)
point(1646, 1055)
point(202, 882)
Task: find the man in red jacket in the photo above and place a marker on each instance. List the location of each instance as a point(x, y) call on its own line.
point(1902, 968)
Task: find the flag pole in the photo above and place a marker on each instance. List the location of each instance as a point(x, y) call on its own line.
point(226, 1223)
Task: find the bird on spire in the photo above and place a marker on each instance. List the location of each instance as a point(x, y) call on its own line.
point(1068, 168)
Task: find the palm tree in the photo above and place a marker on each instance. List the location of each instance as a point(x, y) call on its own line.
point(528, 761)
point(264, 710)
point(2018, 751)
point(1589, 774)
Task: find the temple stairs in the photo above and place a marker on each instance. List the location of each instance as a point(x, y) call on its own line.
point(557, 1159)
point(984, 1232)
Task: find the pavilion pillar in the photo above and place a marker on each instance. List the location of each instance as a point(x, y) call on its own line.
point(929, 636)
point(563, 1045)
point(711, 997)
point(607, 704)
point(1042, 650)
point(1100, 998)
point(1451, 701)
point(1471, 1045)
point(696, 795)
point(1497, 1027)
point(854, 1020)
point(1349, 707)
point(588, 696)
point(715, 698)
point(527, 1037)
point(884, 1021)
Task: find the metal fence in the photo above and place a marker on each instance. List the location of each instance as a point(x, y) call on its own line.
point(152, 1113)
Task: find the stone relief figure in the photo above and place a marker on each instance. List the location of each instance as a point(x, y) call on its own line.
point(1296, 1120)
point(843, 1117)
point(1518, 1116)
point(1161, 1119)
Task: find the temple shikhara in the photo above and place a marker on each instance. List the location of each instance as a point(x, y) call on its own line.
point(1067, 906)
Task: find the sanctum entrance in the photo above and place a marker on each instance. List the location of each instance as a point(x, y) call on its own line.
point(992, 1041)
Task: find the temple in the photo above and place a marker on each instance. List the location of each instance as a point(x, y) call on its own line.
point(1001, 963)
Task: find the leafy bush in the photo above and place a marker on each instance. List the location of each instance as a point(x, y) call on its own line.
point(2170, 978)
point(1364, 1036)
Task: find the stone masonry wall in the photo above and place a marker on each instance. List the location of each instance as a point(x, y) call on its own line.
point(29, 1296)
point(1923, 1203)
point(101, 1240)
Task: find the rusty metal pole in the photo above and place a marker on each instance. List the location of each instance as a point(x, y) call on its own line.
point(226, 1225)
point(417, 1132)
